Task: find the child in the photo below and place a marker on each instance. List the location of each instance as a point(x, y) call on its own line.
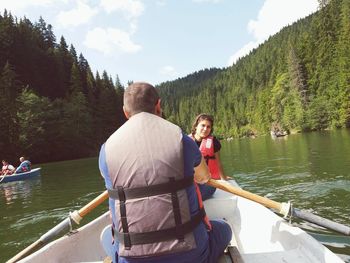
point(7, 169)
point(201, 133)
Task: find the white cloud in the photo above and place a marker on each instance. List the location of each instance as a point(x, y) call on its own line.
point(110, 40)
point(275, 14)
point(19, 5)
point(77, 16)
point(242, 52)
point(130, 8)
point(206, 1)
point(169, 71)
point(161, 2)
point(272, 17)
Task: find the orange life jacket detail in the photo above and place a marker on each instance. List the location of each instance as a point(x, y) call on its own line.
point(5, 170)
point(207, 150)
point(200, 202)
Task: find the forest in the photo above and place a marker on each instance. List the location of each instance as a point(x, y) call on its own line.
point(53, 107)
point(296, 81)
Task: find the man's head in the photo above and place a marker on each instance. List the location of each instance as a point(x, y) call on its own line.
point(21, 159)
point(141, 97)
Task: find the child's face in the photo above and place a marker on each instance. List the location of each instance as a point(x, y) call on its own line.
point(203, 129)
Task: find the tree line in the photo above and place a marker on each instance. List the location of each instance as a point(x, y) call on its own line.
point(52, 106)
point(297, 80)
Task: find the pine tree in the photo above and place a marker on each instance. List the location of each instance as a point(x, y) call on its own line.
point(9, 88)
point(75, 80)
point(33, 117)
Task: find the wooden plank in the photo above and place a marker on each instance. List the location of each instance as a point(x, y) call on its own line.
point(234, 254)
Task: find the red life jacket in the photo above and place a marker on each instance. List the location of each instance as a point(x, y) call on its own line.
point(6, 170)
point(207, 150)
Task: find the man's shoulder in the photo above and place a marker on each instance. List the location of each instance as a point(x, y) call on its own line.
point(187, 139)
point(189, 144)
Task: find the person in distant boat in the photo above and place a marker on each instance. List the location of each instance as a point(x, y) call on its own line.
point(151, 170)
point(7, 169)
point(201, 133)
point(25, 166)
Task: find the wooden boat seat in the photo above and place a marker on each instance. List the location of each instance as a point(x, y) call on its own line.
point(288, 256)
point(105, 239)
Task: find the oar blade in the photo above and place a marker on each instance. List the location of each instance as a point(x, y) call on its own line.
point(62, 228)
point(312, 218)
point(59, 229)
point(279, 207)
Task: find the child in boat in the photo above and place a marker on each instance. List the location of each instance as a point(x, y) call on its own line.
point(7, 169)
point(201, 133)
point(25, 166)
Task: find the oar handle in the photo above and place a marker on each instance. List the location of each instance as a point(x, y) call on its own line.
point(93, 204)
point(240, 192)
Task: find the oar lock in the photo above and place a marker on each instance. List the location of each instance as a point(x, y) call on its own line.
point(286, 210)
point(75, 216)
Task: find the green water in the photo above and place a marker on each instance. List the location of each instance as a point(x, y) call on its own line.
point(311, 170)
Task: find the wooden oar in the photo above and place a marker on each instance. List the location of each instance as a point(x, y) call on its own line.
point(63, 227)
point(2, 177)
point(282, 208)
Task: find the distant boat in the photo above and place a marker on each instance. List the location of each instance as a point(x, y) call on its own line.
point(19, 177)
point(275, 134)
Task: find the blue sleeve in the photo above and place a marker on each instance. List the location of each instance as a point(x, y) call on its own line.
point(19, 168)
point(192, 155)
point(102, 164)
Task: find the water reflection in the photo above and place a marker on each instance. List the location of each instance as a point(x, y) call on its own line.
point(18, 190)
point(311, 170)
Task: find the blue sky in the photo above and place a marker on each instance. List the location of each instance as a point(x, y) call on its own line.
point(160, 40)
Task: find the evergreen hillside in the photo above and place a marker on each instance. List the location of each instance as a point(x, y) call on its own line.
point(298, 80)
point(52, 106)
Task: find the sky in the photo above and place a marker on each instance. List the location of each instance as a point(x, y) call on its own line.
point(161, 40)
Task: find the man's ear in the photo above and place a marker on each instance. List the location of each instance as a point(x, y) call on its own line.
point(127, 115)
point(158, 109)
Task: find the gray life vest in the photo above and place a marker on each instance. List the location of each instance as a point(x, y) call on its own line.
point(146, 168)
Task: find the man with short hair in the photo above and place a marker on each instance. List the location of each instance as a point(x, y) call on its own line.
point(151, 169)
point(25, 166)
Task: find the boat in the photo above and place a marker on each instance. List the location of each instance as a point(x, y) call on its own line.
point(259, 236)
point(19, 177)
point(275, 134)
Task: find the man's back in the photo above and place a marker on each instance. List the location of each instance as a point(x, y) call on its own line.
point(148, 166)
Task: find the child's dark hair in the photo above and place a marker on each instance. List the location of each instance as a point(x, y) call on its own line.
point(201, 117)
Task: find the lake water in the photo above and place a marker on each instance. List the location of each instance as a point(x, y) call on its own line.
point(312, 170)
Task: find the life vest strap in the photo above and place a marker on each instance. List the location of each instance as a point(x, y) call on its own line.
point(177, 213)
point(161, 235)
point(123, 218)
point(207, 157)
point(151, 190)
